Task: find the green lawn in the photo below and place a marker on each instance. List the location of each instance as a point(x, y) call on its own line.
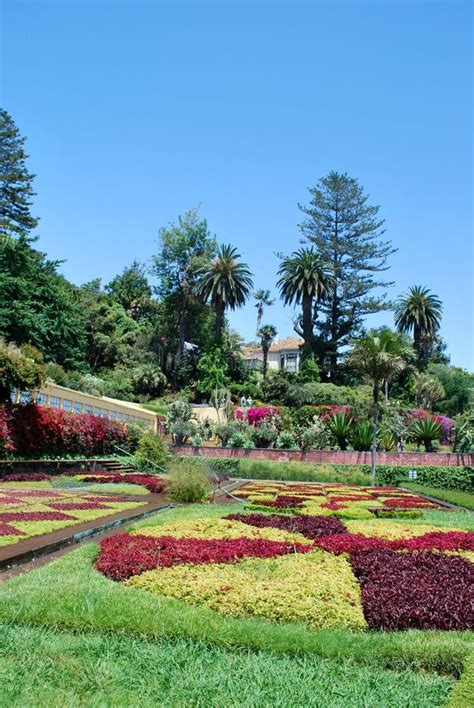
point(73, 637)
point(452, 496)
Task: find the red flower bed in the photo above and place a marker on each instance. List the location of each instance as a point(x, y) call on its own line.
point(36, 493)
point(125, 555)
point(34, 516)
point(415, 591)
point(7, 530)
point(152, 483)
point(26, 477)
point(70, 506)
point(10, 500)
point(409, 503)
point(310, 526)
point(439, 540)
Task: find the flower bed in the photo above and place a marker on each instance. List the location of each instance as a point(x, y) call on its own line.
point(33, 512)
point(305, 567)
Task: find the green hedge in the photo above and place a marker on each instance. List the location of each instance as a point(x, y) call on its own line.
point(452, 496)
point(459, 478)
point(463, 692)
point(456, 478)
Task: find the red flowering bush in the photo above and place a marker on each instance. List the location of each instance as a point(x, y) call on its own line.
point(326, 412)
point(6, 442)
point(151, 482)
point(26, 477)
point(309, 526)
point(415, 591)
point(37, 430)
point(125, 555)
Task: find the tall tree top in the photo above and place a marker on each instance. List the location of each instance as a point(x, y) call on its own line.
point(16, 183)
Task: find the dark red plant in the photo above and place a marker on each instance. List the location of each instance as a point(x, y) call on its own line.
point(26, 477)
point(415, 591)
point(151, 482)
point(434, 540)
point(70, 506)
point(310, 526)
point(125, 555)
point(34, 516)
point(7, 530)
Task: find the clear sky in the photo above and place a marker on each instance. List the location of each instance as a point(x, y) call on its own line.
point(137, 111)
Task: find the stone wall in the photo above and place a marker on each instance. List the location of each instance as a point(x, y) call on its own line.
point(336, 457)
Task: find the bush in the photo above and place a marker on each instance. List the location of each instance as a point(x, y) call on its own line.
point(225, 432)
point(245, 389)
point(361, 436)
point(150, 449)
point(188, 481)
point(224, 465)
point(264, 435)
point(38, 431)
point(303, 472)
point(461, 478)
point(286, 441)
point(304, 416)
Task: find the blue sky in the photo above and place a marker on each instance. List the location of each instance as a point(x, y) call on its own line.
point(137, 111)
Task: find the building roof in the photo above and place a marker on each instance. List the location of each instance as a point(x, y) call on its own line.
point(288, 344)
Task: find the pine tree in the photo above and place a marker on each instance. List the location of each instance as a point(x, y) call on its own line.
point(16, 183)
point(347, 234)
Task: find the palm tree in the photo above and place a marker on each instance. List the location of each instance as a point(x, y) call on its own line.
point(304, 279)
point(226, 283)
point(421, 312)
point(380, 355)
point(263, 299)
point(267, 334)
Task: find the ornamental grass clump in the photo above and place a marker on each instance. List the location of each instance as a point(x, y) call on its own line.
point(188, 481)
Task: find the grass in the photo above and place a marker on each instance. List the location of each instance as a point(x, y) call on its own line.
point(452, 496)
point(58, 668)
point(301, 471)
point(89, 601)
point(463, 693)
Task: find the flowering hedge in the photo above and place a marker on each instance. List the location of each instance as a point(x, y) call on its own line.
point(36, 430)
point(256, 414)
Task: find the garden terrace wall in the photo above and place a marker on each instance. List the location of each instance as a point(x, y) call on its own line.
point(52, 467)
point(336, 457)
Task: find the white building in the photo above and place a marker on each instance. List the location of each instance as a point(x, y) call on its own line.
point(284, 355)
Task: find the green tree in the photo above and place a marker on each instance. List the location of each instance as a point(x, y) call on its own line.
point(37, 305)
point(267, 334)
point(458, 385)
point(149, 380)
point(380, 355)
point(347, 234)
point(305, 279)
point(419, 312)
point(185, 248)
point(428, 390)
point(132, 290)
point(21, 368)
point(212, 372)
point(16, 182)
point(226, 283)
point(263, 299)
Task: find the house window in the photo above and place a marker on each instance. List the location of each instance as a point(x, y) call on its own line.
point(87, 408)
point(292, 362)
point(67, 405)
point(77, 407)
point(41, 399)
point(96, 410)
point(113, 415)
point(54, 402)
point(119, 416)
point(282, 362)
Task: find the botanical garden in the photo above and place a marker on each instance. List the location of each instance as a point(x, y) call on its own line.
point(291, 529)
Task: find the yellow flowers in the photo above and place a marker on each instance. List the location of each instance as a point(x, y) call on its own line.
point(317, 588)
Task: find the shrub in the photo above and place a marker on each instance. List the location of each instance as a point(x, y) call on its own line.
point(238, 439)
point(340, 428)
point(151, 452)
point(225, 432)
point(6, 442)
point(188, 481)
point(361, 436)
point(425, 431)
point(181, 431)
point(315, 437)
point(286, 441)
point(264, 435)
point(304, 416)
point(461, 478)
point(224, 465)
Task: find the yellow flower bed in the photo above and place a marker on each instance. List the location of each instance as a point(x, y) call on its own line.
point(317, 588)
point(390, 530)
point(221, 529)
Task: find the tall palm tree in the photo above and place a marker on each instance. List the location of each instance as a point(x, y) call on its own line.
point(225, 283)
point(419, 311)
point(304, 279)
point(381, 355)
point(263, 299)
point(267, 334)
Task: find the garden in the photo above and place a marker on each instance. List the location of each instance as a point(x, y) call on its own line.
point(364, 593)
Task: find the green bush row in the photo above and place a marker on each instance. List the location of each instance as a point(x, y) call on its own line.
point(452, 496)
point(456, 478)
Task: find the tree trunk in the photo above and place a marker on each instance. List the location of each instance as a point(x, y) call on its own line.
point(308, 320)
point(220, 310)
point(265, 361)
point(374, 432)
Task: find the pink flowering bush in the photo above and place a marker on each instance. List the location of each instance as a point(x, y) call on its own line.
point(256, 415)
